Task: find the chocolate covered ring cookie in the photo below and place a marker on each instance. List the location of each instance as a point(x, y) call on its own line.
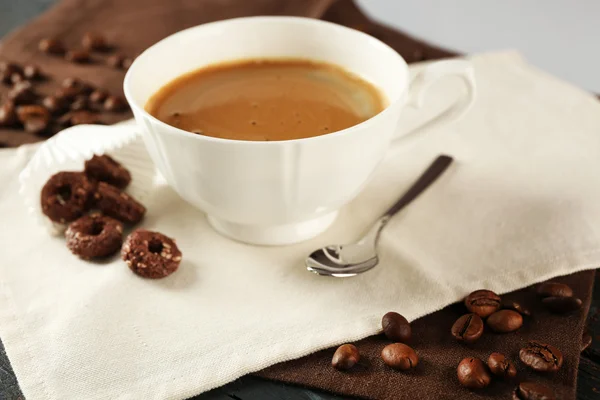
point(117, 204)
point(66, 196)
point(106, 169)
point(151, 254)
point(94, 236)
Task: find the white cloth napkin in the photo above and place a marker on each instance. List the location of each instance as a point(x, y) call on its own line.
point(520, 205)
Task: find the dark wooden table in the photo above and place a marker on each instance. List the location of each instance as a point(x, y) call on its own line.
point(16, 12)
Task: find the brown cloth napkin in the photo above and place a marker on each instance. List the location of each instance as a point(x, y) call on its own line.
point(439, 353)
point(134, 25)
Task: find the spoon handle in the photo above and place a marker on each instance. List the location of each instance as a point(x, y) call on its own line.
point(436, 168)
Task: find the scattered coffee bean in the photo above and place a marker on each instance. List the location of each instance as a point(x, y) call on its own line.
point(32, 72)
point(533, 391)
point(98, 96)
point(16, 78)
point(35, 119)
point(482, 302)
point(5, 77)
point(67, 94)
point(555, 289)
point(504, 321)
point(79, 103)
point(399, 356)
point(83, 117)
point(9, 66)
point(396, 327)
point(562, 305)
point(126, 63)
point(8, 114)
point(22, 93)
point(501, 366)
point(77, 87)
point(54, 104)
point(115, 61)
point(77, 56)
point(541, 357)
point(94, 42)
point(7, 69)
point(473, 374)
point(345, 357)
point(115, 103)
point(468, 328)
point(51, 46)
point(513, 305)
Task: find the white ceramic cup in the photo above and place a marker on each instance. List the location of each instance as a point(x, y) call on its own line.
point(279, 192)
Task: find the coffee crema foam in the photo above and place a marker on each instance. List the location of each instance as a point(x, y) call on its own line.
point(266, 100)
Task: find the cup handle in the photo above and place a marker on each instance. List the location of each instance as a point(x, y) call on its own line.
point(432, 74)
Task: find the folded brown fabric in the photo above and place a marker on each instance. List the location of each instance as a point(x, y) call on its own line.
point(439, 353)
point(134, 25)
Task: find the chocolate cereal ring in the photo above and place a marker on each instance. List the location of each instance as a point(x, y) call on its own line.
point(117, 204)
point(66, 196)
point(106, 169)
point(94, 236)
point(151, 254)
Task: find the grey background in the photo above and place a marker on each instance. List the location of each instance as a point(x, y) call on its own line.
point(560, 36)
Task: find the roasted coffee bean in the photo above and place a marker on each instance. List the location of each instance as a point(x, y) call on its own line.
point(77, 56)
point(67, 94)
point(79, 103)
point(555, 289)
point(7, 69)
point(115, 103)
point(16, 78)
point(533, 391)
point(504, 321)
point(9, 66)
point(5, 77)
point(75, 87)
point(473, 374)
point(32, 72)
point(501, 366)
point(83, 117)
point(94, 42)
point(586, 341)
point(35, 119)
point(541, 357)
point(513, 305)
point(51, 46)
point(468, 328)
point(345, 357)
point(482, 302)
point(22, 93)
point(8, 114)
point(98, 96)
point(396, 327)
point(562, 305)
point(126, 63)
point(399, 356)
point(115, 61)
point(54, 104)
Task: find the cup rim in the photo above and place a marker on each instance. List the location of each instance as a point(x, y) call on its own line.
point(290, 19)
